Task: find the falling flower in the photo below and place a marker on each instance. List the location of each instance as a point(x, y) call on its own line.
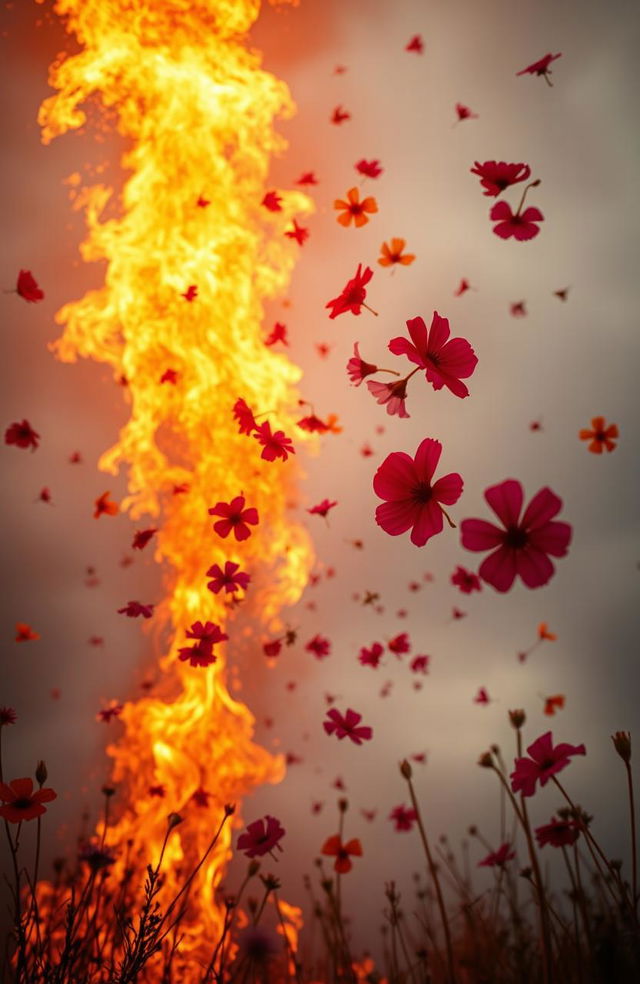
point(22, 435)
point(24, 633)
point(553, 704)
point(274, 445)
point(524, 544)
point(169, 376)
point(322, 508)
point(545, 761)
point(482, 697)
point(307, 178)
point(261, 837)
point(112, 710)
point(420, 664)
point(142, 537)
point(561, 294)
point(522, 225)
point(272, 200)
point(464, 113)
point(445, 360)
point(27, 287)
point(462, 288)
point(319, 646)
point(391, 254)
point(541, 67)
point(334, 848)
point(231, 578)
point(412, 502)
point(371, 656)
point(370, 169)
point(323, 349)
point(499, 857)
point(466, 580)
point(104, 506)
point(299, 233)
point(273, 648)
point(244, 417)
point(544, 633)
point(558, 833)
point(354, 209)
point(399, 644)
point(203, 202)
point(391, 395)
point(7, 716)
point(277, 334)
point(134, 609)
point(415, 44)
point(346, 725)
point(339, 115)
point(312, 424)
point(20, 802)
point(190, 293)
point(518, 309)
point(201, 652)
point(495, 176)
point(353, 294)
point(235, 517)
point(403, 817)
point(600, 436)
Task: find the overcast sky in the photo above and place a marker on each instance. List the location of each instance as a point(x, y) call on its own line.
point(560, 364)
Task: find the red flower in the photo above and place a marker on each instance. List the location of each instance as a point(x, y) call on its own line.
point(272, 648)
point(541, 67)
point(202, 202)
point(355, 209)
point(231, 579)
point(466, 580)
point(141, 538)
point(299, 233)
point(552, 704)
point(339, 115)
point(412, 502)
point(27, 287)
point(525, 543)
point(261, 837)
point(313, 424)
point(403, 817)
point(22, 435)
point(133, 609)
point(277, 334)
point(353, 294)
point(244, 416)
point(499, 857)
point(307, 178)
point(495, 176)
point(112, 710)
point(420, 664)
point(445, 361)
point(334, 848)
point(482, 697)
point(20, 802)
point(558, 833)
point(415, 44)
point(235, 517)
point(600, 436)
point(372, 656)
point(518, 309)
point(104, 506)
point(201, 652)
point(370, 169)
point(276, 445)
point(322, 508)
point(464, 113)
point(394, 395)
point(319, 646)
point(272, 201)
point(24, 632)
point(7, 716)
point(347, 726)
point(462, 288)
point(399, 644)
point(190, 293)
point(545, 761)
point(522, 225)
point(169, 376)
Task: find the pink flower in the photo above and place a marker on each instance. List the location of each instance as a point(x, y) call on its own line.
point(499, 857)
point(357, 368)
point(482, 697)
point(464, 113)
point(522, 225)
point(372, 656)
point(244, 416)
point(445, 362)
point(346, 726)
point(403, 817)
point(276, 445)
point(495, 176)
point(524, 544)
point(235, 517)
point(466, 580)
point(134, 609)
point(322, 508)
point(541, 67)
point(261, 837)
point(231, 579)
point(412, 502)
point(319, 646)
point(558, 833)
point(399, 644)
point(353, 294)
point(393, 394)
point(545, 761)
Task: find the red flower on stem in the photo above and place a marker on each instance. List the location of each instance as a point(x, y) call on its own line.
point(20, 802)
point(445, 361)
point(22, 435)
point(541, 67)
point(545, 761)
point(334, 848)
point(261, 837)
point(274, 445)
point(521, 225)
point(27, 287)
point(231, 578)
point(558, 833)
point(234, 517)
point(353, 294)
point(346, 725)
point(495, 176)
point(499, 857)
point(412, 502)
point(525, 542)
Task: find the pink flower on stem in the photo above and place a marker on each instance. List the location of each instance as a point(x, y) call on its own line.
point(558, 833)
point(261, 837)
point(231, 578)
point(445, 361)
point(466, 580)
point(357, 368)
point(403, 817)
point(274, 445)
point(524, 544)
point(346, 725)
point(522, 225)
point(391, 394)
point(235, 517)
point(495, 176)
point(412, 502)
point(545, 761)
point(499, 857)
point(541, 67)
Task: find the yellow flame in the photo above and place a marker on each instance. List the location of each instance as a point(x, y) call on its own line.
point(198, 114)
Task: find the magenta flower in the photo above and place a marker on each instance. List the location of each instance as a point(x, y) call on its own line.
point(412, 502)
point(393, 394)
point(445, 360)
point(403, 817)
point(522, 225)
point(524, 544)
point(235, 517)
point(346, 725)
point(261, 837)
point(541, 67)
point(545, 761)
point(274, 445)
point(466, 580)
point(499, 857)
point(372, 656)
point(357, 368)
point(231, 578)
point(558, 833)
point(495, 176)
point(135, 608)
point(319, 646)
point(243, 414)
point(420, 664)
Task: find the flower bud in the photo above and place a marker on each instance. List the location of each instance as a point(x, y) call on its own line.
point(41, 772)
point(343, 805)
point(229, 809)
point(108, 791)
point(405, 769)
point(517, 718)
point(486, 761)
point(622, 744)
point(174, 819)
point(253, 869)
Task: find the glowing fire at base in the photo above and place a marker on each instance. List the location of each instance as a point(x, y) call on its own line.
point(198, 112)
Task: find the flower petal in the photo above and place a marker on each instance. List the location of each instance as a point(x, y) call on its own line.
point(506, 501)
point(396, 517)
point(477, 534)
point(438, 332)
point(543, 507)
point(395, 477)
point(500, 568)
point(534, 567)
point(501, 210)
point(554, 539)
point(428, 522)
point(448, 489)
point(402, 346)
point(427, 458)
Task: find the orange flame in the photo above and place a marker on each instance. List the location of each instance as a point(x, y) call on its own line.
point(198, 112)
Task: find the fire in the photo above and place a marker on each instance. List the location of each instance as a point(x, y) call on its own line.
point(197, 112)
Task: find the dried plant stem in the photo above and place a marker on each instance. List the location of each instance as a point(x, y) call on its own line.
point(634, 848)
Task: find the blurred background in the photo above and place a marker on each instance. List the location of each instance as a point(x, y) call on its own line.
point(540, 378)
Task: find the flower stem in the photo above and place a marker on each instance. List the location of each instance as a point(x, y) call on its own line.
point(369, 309)
point(532, 184)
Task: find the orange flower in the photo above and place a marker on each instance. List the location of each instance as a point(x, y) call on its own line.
point(333, 847)
point(601, 436)
point(551, 704)
point(392, 254)
point(354, 208)
point(104, 505)
point(543, 633)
